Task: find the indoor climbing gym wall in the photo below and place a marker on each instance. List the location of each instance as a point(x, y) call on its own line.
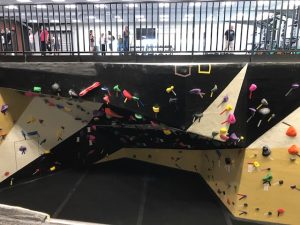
point(33, 125)
point(236, 125)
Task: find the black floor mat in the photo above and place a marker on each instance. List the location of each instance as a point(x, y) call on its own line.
point(122, 192)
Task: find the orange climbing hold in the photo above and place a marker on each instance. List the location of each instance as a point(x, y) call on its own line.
point(291, 131)
point(293, 150)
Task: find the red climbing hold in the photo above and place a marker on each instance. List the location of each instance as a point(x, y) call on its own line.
point(291, 131)
point(293, 150)
point(111, 113)
point(127, 95)
point(6, 174)
point(280, 211)
point(88, 89)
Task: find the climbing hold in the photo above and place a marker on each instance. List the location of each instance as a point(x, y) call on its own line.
point(127, 95)
point(156, 110)
point(271, 117)
point(266, 151)
point(280, 211)
point(138, 116)
point(117, 90)
point(22, 149)
point(167, 131)
point(280, 182)
point(214, 134)
point(106, 99)
point(294, 150)
point(6, 173)
point(252, 88)
point(72, 93)
point(4, 108)
point(252, 112)
point(56, 88)
point(268, 178)
point(291, 131)
point(256, 164)
point(197, 91)
point(224, 100)
point(213, 90)
point(106, 89)
point(88, 89)
point(223, 130)
point(111, 114)
point(234, 138)
point(230, 119)
point(197, 116)
point(227, 109)
point(171, 89)
point(263, 112)
point(52, 168)
point(242, 196)
point(138, 101)
point(263, 102)
point(43, 141)
point(293, 87)
point(37, 89)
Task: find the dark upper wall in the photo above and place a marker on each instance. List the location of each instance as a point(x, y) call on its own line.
point(150, 81)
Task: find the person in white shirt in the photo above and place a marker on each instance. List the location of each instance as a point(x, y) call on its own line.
point(31, 41)
point(110, 39)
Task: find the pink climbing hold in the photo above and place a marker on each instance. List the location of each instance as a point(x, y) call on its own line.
point(106, 99)
point(252, 88)
point(230, 119)
point(127, 95)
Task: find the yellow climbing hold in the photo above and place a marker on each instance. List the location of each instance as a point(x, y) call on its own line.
point(256, 164)
point(52, 168)
point(167, 132)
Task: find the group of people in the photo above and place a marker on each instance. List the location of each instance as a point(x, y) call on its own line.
point(7, 39)
point(106, 41)
point(48, 41)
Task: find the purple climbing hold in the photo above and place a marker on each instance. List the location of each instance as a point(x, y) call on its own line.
point(4, 108)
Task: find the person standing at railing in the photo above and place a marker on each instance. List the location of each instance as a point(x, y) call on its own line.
point(31, 41)
point(103, 43)
point(229, 39)
point(92, 41)
point(2, 40)
point(44, 37)
point(120, 44)
point(126, 39)
point(110, 39)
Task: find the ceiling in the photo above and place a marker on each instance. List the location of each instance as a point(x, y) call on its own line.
point(9, 2)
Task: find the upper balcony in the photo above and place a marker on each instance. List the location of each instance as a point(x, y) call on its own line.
point(211, 30)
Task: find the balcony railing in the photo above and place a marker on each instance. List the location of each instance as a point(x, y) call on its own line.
point(176, 28)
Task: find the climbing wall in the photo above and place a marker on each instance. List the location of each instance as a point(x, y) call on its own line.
point(36, 126)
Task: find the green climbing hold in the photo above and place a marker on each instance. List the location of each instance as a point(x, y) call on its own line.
point(37, 89)
point(138, 116)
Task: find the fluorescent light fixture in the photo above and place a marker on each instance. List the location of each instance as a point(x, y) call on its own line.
point(101, 6)
point(198, 4)
point(11, 7)
point(142, 19)
point(119, 20)
point(24, 1)
point(91, 17)
point(227, 3)
point(132, 5)
point(41, 7)
point(58, 0)
point(98, 21)
point(76, 21)
point(189, 15)
point(164, 5)
point(139, 16)
point(32, 21)
point(54, 21)
point(71, 6)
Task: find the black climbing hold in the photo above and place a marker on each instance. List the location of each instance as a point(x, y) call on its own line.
point(266, 151)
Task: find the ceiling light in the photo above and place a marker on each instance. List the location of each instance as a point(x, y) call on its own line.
point(41, 7)
point(101, 6)
point(163, 4)
point(24, 1)
point(11, 7)
point(76, 21)
point(71, 6)
point(132, 5)
point(32, 21)
point(54, 21)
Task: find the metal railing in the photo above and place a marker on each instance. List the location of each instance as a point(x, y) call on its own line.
point(192, 28)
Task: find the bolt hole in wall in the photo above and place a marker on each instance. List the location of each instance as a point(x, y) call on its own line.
point(252, 27)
